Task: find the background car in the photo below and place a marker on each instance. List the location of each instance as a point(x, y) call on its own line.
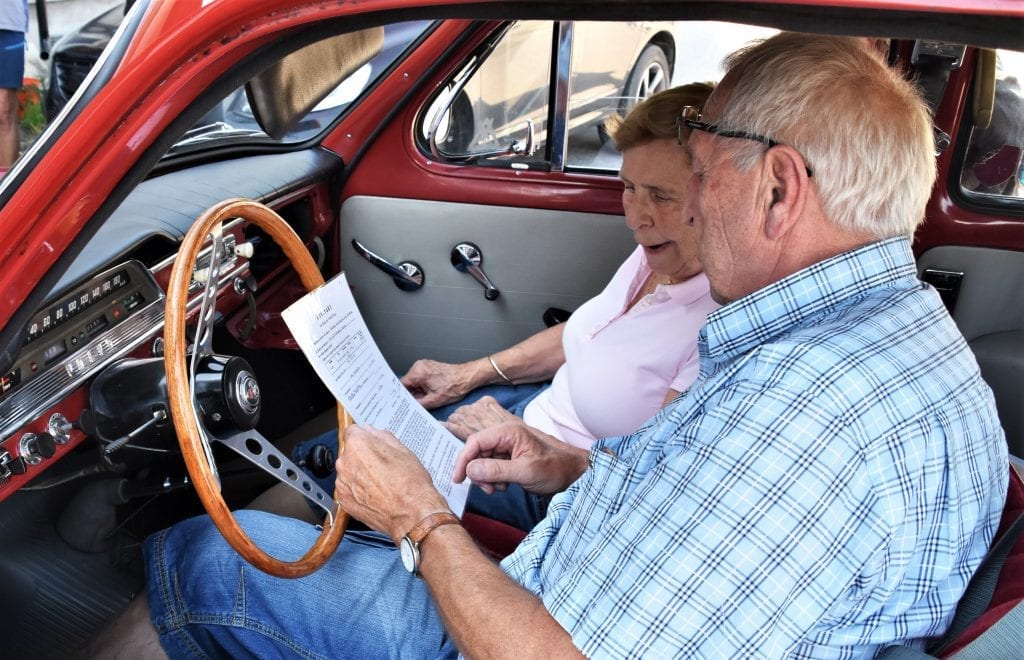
point(615, 65)
point(92, 221)
point(74, 54)
point(499, 105)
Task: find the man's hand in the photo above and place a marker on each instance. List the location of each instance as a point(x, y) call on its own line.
point(516, 453)
point(381, 483)
point(435, 384)
point(482, 414)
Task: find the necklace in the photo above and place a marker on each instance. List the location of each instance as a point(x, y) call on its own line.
point(654, 281)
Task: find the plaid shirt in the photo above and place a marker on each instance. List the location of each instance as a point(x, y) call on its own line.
point(826, 487)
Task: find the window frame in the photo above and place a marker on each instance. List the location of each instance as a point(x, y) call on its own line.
point(981, 203)
point(556, 143)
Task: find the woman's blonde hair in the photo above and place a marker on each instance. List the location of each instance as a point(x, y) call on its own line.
point(655, 117)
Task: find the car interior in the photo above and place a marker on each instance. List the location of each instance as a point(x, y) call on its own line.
point(456, 168)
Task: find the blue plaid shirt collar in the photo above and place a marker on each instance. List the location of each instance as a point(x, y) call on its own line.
point(744, 324)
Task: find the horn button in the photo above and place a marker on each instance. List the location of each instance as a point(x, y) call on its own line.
point(227, 393)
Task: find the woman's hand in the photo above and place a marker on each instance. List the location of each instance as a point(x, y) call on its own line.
point(516, 453)
point(435, 384)
point(477, 416)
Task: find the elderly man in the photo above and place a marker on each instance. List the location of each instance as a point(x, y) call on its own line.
point(825, 488)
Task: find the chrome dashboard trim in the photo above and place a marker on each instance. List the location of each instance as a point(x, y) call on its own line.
point(203, 252)
point(67, 375)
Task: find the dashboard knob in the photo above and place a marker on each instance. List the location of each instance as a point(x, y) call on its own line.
point(60, 428)
point(37, 446)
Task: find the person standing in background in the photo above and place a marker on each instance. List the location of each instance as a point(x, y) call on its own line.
point(13, 26)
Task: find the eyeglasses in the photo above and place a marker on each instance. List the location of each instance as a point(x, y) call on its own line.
point(690, 117)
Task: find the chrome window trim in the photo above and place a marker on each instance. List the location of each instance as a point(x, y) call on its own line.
point(559, 129)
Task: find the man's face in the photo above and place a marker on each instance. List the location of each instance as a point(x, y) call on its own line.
point(721, 203)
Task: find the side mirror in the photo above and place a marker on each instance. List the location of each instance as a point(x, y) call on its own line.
point(286, 92)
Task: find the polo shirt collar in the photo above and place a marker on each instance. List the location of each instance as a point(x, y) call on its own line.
point(688, 291)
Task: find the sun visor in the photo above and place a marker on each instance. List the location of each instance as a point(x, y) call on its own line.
point(287, 91)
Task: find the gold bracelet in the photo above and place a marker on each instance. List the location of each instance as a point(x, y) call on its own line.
point(499, 371)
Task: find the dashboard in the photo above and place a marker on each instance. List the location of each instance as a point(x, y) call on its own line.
point(109, 304)
point(99, 321)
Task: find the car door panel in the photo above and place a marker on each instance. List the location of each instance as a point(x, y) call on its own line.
point(536, 258)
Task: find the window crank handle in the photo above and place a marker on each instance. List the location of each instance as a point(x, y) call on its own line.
point(467, 258)
point(407, 275)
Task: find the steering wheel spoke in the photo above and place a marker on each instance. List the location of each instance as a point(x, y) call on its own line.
point(256, 449)
point(209, 278)
point(216, 398)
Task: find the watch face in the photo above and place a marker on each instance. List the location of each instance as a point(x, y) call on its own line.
point(409, 553)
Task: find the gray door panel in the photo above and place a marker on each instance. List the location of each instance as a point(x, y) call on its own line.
point(536, 258)
point(990, 313)
point(992, 294)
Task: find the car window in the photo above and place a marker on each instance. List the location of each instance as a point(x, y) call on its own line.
point(231, 121)
point(496, 102)
point(994, 163)
point(503, 106)
point(646, 58)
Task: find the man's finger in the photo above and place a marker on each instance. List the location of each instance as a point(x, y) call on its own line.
point(494, 472)
point(477, 445)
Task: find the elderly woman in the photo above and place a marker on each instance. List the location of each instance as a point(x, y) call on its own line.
point(624, 353)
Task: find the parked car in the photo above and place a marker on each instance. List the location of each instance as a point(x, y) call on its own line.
point(74, 54)
point(490, 112)
point(392, 128)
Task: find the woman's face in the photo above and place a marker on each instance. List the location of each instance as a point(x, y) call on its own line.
point(656, 175)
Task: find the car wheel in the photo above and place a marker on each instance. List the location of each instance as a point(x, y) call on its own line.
point(650, 75)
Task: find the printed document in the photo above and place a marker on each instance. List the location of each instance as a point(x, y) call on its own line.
point(332, 333)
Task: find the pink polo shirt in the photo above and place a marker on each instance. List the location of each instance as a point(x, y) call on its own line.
point(620, 364)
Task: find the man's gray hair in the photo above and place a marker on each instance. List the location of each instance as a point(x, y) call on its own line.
point(864, 130)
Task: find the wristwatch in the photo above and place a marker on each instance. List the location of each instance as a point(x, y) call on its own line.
point(410, 543)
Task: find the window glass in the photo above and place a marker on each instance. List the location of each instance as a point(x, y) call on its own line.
point(994, 164)
point(613, 66)
point(617, 65)
point(494, 109)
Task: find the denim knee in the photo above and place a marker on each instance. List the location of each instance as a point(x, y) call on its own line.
point(206, 601)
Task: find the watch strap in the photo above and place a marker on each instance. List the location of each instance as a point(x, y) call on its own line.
point(424, 527)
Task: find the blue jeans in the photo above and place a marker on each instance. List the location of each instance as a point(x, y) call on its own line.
point(206, 601)
point(514, 505)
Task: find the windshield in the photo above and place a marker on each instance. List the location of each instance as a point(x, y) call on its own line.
point(231, 121)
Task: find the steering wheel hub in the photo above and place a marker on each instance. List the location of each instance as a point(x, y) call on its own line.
point(227, 393)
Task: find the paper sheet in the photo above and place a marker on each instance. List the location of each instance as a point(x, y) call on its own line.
point(332, 333)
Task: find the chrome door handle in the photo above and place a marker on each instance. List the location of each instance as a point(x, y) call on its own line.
point(467, 257)
point(407, 275)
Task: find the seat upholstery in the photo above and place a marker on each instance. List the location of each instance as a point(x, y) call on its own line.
point(1009, 588)
point(1001, 358)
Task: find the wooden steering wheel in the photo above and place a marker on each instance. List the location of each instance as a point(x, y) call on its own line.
point(193, 434)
